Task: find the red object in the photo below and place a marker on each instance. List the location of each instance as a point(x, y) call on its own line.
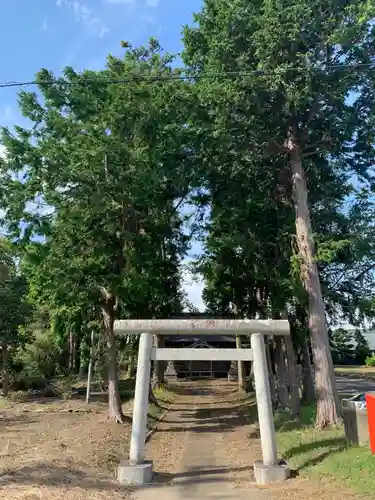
point(370, 403)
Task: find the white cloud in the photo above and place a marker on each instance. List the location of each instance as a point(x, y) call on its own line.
point(103, 31)
point(45, 25)
point(152, 3)
point(85, 16)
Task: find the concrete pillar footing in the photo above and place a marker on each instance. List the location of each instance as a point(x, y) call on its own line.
point(129, 474)
point(273, 473)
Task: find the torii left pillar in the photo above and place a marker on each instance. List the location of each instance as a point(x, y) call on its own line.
point(137, 470)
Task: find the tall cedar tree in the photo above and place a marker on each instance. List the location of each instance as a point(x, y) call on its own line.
point(293, 99)
point(108, 158)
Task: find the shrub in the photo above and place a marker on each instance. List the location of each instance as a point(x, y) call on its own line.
point(362, 348)
point(36, 363)
point(370, 360)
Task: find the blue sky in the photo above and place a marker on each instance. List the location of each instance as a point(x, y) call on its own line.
point(53, 34)
point(79, 33)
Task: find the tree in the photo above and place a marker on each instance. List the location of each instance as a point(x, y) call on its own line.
point(362, 347)
point(113, 163)
point(345, 252)
point(341, 344)
point(290, 99)
point(14, 308)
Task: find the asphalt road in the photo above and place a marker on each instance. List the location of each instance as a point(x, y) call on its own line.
point(351, 385)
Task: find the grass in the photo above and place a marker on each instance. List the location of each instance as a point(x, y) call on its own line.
point(324, 455)
point(165, 397)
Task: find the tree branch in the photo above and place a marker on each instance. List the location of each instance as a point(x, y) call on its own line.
point(280, 148)
point(360, 275)
point(310, 116)
point(326, 140)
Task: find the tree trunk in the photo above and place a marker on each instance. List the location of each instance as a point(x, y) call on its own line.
point(5, 371)
point(89, 372)
point(159, 366)
point(114, 402)
point(131, 365)
point(250, 384)
point(282, 383)
point(326, 391)
point(77, 352)
point(271, 377)
point(71, 352)
point(308, 389)
point(295, 406)
point(151, 395)
point(82, 362)
point(241, 366)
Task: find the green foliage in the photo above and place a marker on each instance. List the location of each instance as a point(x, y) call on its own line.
point(347, 346)
point(14, 307)
point(105, 168)
point(37, 363)
point(108, 167)
point(370, 360)
point(293, 78)
point(342, 346)
point(362, 347)
point(110, 161)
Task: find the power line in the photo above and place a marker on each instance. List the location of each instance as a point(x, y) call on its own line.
point(181, 77)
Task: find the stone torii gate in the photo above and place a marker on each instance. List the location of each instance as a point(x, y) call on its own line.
point(137, 470)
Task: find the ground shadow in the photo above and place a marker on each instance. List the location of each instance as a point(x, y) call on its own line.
point(44, 474)
point(316, 460)
point(335, 445)
point(222, 401)
point(198, 475)
point(285, 423)
point(212, 419)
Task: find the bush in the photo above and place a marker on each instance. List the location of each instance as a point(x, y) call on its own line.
point(370, 360)
point(342, 347)
point(36, 363)
point(362, 348)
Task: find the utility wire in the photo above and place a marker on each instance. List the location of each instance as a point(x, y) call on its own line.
point(181, 77)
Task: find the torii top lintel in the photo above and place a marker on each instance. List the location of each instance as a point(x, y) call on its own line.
point(202, 326)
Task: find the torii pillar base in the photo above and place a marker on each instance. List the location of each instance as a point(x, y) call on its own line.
point(273, 473)
point(128, 474)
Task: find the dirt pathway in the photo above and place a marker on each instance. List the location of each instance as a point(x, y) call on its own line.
point(206, 446)
point(195, 449)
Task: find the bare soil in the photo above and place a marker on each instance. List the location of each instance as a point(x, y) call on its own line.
point(48, 452)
